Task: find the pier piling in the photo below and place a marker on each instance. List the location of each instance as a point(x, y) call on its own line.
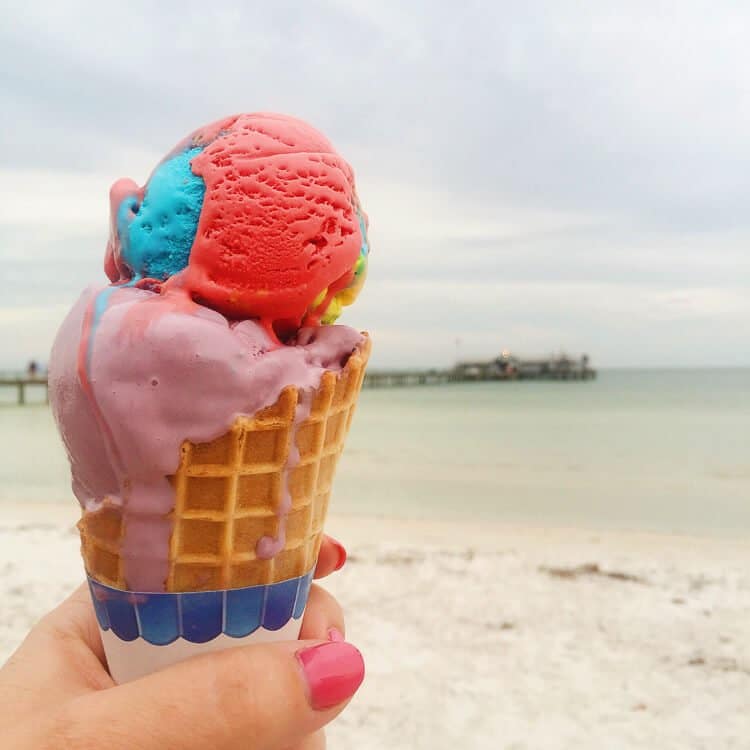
point(20, 384)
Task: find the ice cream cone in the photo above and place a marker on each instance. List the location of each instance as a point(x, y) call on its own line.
point(267, 481)
point(230, 492)
point(204, 395)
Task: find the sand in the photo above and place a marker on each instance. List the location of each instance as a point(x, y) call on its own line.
point(492, 636)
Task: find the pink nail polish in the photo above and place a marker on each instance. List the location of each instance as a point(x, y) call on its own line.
point(333, 671)
point(334, 634)
point(341, 551)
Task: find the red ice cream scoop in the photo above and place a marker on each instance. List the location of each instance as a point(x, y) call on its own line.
point(279, 233)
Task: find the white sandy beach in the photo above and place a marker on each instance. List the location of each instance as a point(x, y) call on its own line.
point(495, 636)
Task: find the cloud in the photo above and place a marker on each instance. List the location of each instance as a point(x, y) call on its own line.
point(536, 175)
point(618, 322)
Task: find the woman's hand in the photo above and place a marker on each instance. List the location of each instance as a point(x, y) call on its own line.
point(55, 691)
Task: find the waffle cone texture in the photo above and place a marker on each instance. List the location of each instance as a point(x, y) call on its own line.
point(228, 494)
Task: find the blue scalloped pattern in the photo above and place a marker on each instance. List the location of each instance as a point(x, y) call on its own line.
point(198, 616)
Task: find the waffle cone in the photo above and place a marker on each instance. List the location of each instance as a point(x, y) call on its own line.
point(229, 493)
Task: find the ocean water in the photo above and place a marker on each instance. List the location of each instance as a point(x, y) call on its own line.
point(645, 449)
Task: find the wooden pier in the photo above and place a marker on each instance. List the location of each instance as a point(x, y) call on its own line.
point(504, 368)
point(510, 367)
point(22, 383)
point(386, 379)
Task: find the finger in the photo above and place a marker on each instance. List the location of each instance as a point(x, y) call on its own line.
point(264, 696)
point(75, 618)
point(331, 557)
point(61, 658)
point(70, 640)
point(315, 741)
point(323, 613)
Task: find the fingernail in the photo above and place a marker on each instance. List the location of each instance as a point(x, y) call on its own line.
point(341, 551)
point(333, 672)
point(334, 634)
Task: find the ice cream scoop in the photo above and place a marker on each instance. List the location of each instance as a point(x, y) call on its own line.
point(256, 216)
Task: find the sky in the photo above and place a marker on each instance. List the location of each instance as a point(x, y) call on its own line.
point(539, 176)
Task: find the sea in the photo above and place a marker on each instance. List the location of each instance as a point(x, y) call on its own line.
point(661, 450)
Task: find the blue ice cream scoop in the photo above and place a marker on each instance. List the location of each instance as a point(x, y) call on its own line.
point(153, 228)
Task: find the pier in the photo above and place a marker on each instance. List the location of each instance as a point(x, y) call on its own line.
point(20, 384)
point(387, 379)
point(506, 367)
point(510, 367)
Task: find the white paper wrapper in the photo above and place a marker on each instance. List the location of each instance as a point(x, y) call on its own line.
point(129, 660)
point(143, 632)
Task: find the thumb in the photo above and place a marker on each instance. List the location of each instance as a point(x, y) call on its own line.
point(264, 697)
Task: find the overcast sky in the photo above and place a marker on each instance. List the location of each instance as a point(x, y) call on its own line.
point(539, 175)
